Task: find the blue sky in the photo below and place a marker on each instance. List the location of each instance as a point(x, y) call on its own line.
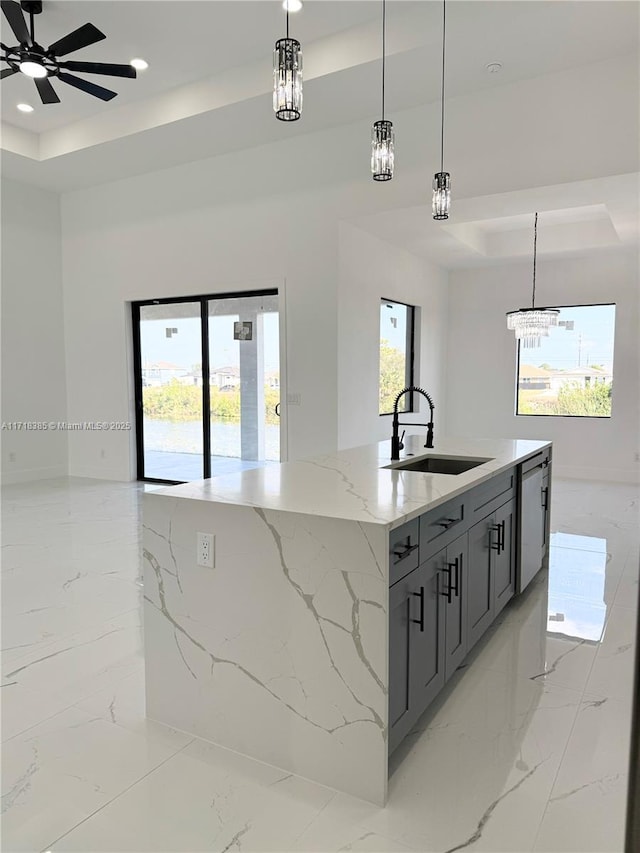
point(184, 350)
point(590, 342)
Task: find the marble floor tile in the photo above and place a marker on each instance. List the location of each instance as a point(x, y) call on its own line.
point(525, 750)
point(59, 772)
point(204, 799)
point(586, 809)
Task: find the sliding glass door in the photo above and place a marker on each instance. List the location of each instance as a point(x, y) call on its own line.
point(207, 378)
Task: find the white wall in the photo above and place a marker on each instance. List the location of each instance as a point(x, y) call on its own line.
point(256, 216)
point(33, 372)
point(370, 269)
point(482, 360)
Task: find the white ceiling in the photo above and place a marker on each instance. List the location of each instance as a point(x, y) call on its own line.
point(210, 72)
point(577, 218)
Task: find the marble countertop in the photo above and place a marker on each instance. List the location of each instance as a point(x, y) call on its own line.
point(355, 485)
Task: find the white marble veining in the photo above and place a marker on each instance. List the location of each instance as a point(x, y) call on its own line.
point(505, 761)
point(279, 652)
point(357, 485)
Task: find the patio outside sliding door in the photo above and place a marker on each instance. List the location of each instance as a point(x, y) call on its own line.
point(207, 380)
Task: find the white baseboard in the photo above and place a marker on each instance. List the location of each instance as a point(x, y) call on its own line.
point(607, 475)
point(28, 475)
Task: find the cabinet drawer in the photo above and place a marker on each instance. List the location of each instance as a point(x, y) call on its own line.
point(542, 459)
point(441, 526)
point(489, 496)
point(404, 554)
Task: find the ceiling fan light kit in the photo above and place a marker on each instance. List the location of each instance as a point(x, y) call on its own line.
point(531, 324)
point(33, 60)
point(287, 78)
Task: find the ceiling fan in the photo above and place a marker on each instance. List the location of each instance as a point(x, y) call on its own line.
point(28, 57)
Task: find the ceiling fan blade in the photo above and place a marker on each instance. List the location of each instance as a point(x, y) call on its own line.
point(82, 37)
point(7, 72)
point(47, 92)
point(100, 68)
point(86, 86)
point(13, 14)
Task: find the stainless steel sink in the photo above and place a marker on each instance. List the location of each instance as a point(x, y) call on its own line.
point(440, 464)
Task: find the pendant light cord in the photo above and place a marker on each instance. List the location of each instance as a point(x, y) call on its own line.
point(287, 20)
point(444, 29)
point(384, 29)
point(535, 247)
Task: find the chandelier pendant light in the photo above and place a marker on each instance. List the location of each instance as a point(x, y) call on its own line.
point(530, 324)
point(382, 136)
point(442, 180)
point(287, 77)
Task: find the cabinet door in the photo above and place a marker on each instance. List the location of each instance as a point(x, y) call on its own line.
point(454, 597)
point(484, 540)
point(401, 608)
point(416, 647)
point(505, 557)
point(427, 665)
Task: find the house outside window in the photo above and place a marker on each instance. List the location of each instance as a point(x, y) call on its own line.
point(571, 373)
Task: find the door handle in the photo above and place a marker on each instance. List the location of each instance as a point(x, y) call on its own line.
point(447, 522)
point(277, 409)
point(420, 621)
point(455, 588)
point(495, 546)
point(405, 552)
point(502, 535)
point(449, 591)
point(545, 497)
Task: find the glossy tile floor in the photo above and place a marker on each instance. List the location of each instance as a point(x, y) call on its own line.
point(526, 751)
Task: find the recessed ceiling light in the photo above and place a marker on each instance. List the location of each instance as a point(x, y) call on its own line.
point(493, 67)
point(139, 64)
point(25, 108)
point(292, 5)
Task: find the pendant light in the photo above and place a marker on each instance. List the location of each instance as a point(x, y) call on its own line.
point(530, 324)
point(287, 77)
point(442, 180)
point(382, 137)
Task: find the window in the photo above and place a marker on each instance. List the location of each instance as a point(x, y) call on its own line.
point(396, 355)
point(571, 373)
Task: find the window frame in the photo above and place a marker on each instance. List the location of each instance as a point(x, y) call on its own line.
point(518, 350)
point(410, 354)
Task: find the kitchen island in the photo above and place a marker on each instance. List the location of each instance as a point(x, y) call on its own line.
point(340, 597)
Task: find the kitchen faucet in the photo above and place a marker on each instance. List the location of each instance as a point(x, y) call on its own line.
point(396, 441)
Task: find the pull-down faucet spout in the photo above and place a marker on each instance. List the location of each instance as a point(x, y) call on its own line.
point(396, 441)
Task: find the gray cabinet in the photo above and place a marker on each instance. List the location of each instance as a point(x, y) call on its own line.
point(505, 556)
point(451, 572)
point(416, 647)
point(492, 569)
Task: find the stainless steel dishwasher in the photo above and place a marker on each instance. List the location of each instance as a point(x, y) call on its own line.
point(532, 521)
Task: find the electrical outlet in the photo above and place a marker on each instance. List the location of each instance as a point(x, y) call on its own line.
point(12, 457)
point(102, 454)
point(637, 457)
point(205, 554)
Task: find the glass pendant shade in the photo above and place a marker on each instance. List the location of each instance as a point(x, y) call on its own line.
point(531, 324)
point(441, 195)
point(287, 79)
point(382, 139)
